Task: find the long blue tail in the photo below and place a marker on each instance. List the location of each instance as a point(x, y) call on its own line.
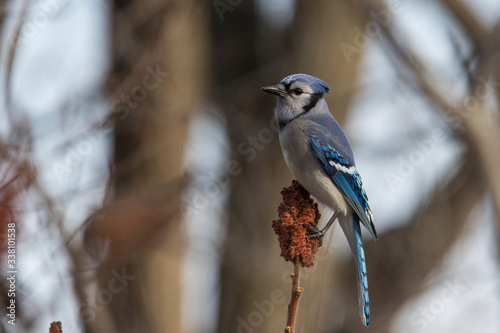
point(363, 298)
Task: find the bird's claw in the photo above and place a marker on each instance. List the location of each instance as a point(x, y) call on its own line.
point(316, 233)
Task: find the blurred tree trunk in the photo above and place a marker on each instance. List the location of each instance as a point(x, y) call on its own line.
point(158, 79)
point(320, 32)
point(250, 244)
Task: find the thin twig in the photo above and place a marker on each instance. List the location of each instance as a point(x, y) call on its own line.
point(294, 300)
point(11, 54)
point(473, 27)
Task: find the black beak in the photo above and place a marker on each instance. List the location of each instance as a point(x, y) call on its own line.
point(275, 90)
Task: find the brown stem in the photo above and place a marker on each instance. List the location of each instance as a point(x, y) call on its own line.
point(294, 300)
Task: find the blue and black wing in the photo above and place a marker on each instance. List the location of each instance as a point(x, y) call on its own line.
point(347, 179)
point(345, 176)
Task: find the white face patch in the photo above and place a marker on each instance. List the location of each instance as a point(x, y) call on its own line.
point(305, 88)
point(299, 99)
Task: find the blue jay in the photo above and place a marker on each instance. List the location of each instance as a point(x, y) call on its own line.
point(317, 153)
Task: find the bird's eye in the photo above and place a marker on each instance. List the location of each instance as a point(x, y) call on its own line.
point(297, 91)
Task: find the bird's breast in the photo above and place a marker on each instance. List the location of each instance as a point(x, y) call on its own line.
point(307, 169)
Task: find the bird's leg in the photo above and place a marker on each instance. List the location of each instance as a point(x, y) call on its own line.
point(319, 234)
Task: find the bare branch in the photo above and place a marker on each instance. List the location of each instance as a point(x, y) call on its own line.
point(294, 300)
point(12, 52)
point(475, 126)
point(473, 28)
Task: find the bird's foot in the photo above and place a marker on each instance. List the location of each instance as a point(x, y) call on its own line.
point(316, 233)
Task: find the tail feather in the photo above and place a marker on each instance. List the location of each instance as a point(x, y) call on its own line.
point(351, 227)
point(363, 298)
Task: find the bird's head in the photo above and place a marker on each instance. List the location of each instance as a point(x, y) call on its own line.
point(297, 95)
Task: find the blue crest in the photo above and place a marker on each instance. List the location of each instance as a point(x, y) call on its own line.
point(319, 86)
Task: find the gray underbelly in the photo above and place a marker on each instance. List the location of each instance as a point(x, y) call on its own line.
point(307, 169)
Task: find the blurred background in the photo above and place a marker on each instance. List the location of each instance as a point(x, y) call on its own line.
point(140, 163)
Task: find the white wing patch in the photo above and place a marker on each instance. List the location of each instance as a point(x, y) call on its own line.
point(342, 168)
point(369, 212)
